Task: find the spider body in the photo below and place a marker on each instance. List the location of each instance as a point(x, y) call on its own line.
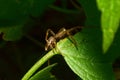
point(62, 33)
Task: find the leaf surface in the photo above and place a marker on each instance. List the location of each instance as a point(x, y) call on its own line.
point(12, 33)
point(91, 11)
point(16, 12)
point(44, 74)
point(87, 60)
point(109, 20)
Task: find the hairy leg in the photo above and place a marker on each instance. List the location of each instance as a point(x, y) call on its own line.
point(47, 33)
point(47, 39)
point(70, 36)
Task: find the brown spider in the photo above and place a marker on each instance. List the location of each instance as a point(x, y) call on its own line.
point(62, 33)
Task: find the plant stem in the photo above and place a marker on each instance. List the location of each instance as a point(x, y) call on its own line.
point(39, 64)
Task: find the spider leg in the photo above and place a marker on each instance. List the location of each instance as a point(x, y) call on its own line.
point(46, 38)
point(74, 28)
point(62, 29)
point(71, 38)
point(50, 44)
point(68, 32)
point(53, 44)
point(49, 31)
point(61, 33)
point(47, 45)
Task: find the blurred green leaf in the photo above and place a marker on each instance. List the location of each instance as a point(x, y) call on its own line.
point(87, 60)
point(38, 6)
point(91, 11)
point(109, 20)
point(44, 74)
point(114, 51)
point(12, 33)
point(14, 12)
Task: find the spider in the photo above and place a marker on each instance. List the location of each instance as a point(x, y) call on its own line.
point(62, 33)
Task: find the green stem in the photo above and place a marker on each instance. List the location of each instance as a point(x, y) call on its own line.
point(39, 63)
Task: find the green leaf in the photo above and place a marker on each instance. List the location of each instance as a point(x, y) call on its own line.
point(86, 59)
point(91, 11)
point(39, 6)
point(15, 12)
point(110, 20)
point(44, 74)
point(113, 52)
point(12, 33)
